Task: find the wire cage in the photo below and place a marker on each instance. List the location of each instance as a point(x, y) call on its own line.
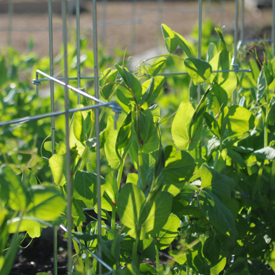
point(42, 77)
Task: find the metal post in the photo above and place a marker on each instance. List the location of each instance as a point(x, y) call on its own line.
point(234, 63)
point(95, 48)
point(199, 44)
point(68, 159)
point(133, 27)
point(52, 119)
point(273, 26)
point(78, 49)
point(242, 22)
point(10, 21)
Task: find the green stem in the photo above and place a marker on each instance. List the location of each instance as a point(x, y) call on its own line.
point(140, 144)
point(119, 175)
point(113, 223)
point(135, 249)
point(161, 55)
point(258, 182)
point(266, 122)
point(273, 175)
point(157, 258)
point(187, 270)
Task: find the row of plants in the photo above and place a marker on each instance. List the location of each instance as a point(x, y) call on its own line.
point(187, 184)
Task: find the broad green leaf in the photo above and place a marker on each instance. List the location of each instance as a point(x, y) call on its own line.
point(218, 99)
point(147, 269)
point(148, 132)
point(3, 71)
point(18, 195)
point(198, 70)
point(108, 76)
point(123, 140)
point(240, 122)
point(261, 84)
point(185, 47)
point(254, 70)
point(239, 267)
point(179, 165)
point(132, 178)
point(268, 74)
point(47, 202)
point(78, 216)
point(171, 41)
point(58, 168)
point(212, 249)
point(222, 42)
point(211, 52)
point(34, 232)
point(156, 66)
point(111, 187)
point(78, 126)
point(217, 213)
point(155, 215)
point(158, 86)
point(212, 124)
point(230, 84)
point(131, 81)
point(110, 144)
point(130, 201)
point(85, 188)
point(180, 125)
point(168, 232)
point(236, 157)
point(125, 98)
point(216, 182)
point(265, 153)
point(214, 270)
point(148, 92)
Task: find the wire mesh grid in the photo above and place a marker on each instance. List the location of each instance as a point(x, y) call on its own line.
point(99, 103)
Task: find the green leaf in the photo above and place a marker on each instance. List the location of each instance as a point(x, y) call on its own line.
point(268, 74)
point(156, 66)
point(212, 124)
point(148, 132)
point(85, 188)
point(58, 168)
point(3, 71)
point(212, 249)
point(261, 84)
point(271, 112)
point(179, 165)
point(216, 182)
point(180, 125)
point(146, 95)
point(198, 70)
point(239, 267)
point(211, 52)
point(108, 76)
point(131, 81)
point(240, 122)
point(168, 232)
point(155, 215)
point(265, 153)
point(110, 144)
point(130, 201)
point(184, 45)
point(214, 270)
point(171, 41)
point(18, 195)
point(123, 139)
point(217, 213)
point(218, 99)
point(111, 187)
point(47, 202)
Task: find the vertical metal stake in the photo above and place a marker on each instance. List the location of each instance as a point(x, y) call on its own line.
point(242, 22)
point(133, 27)
point(78, 49)
point(234, 63)
point(199, 45)
point(97, 132)
point(52, 119)
point(273, 26)
point(10, 21)
point(68, 159)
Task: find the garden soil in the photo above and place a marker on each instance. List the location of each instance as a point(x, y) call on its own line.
point(117, 34)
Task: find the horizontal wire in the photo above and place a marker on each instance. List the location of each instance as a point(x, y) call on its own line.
point(53, 114)
point(82, 245)
point(36, 81)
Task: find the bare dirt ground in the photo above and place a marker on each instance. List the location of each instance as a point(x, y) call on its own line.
point(118, 31)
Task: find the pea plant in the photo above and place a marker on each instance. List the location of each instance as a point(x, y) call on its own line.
point(189, 192)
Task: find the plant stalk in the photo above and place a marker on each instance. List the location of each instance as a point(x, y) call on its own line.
point(157, 259)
